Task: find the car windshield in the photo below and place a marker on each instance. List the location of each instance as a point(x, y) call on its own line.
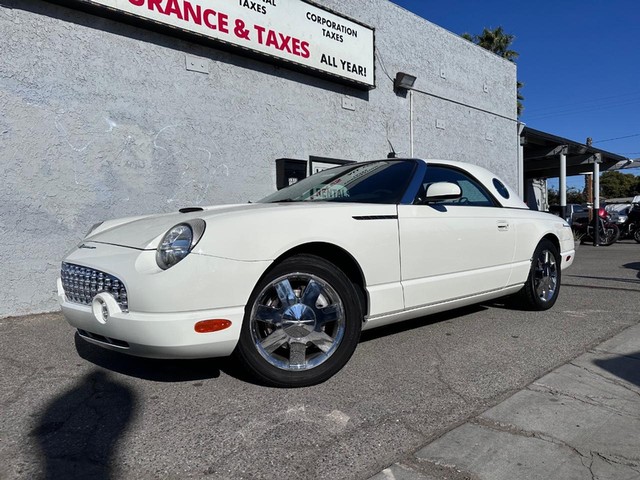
point(371, 182)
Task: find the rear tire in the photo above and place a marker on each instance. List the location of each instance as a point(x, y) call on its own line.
point(542, 287)
point(302, 323)
point(636, 235)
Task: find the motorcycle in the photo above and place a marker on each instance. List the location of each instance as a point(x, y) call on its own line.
point(630, 228)
point(608, 231)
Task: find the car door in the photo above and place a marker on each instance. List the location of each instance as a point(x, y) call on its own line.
point(454, 248)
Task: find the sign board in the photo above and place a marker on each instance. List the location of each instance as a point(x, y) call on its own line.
point(292, 31)
point(318, 164)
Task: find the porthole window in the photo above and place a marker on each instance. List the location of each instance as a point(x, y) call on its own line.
point(502, 190)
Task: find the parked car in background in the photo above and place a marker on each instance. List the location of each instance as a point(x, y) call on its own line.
point(621, 211)
point(574, 212)
point(287, 284)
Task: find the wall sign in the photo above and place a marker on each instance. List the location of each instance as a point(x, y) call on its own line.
point(292, 31)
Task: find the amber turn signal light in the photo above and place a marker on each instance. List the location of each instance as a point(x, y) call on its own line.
point(208, 326)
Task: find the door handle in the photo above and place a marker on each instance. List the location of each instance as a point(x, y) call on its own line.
point(503, 226)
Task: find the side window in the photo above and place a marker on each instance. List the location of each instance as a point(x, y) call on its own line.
point(473, 193)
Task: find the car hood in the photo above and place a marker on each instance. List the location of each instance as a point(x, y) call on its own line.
point(146, 232)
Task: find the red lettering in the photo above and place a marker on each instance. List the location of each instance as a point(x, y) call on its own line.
point(285, 43)
point(173, 8)
point(208, 13)
point(272, 41)
point(137, 3)
point(305, 50)
point(296, 47)
point(282, 42)
point(223, 22)
point(260, 31)
point(157, 4)
point(190, 14)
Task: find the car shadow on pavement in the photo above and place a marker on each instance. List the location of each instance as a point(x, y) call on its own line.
point(610, 279)
point(78, 431)
point(633, 266)
point(148, 368)
point(626, 367)
point(412, 324)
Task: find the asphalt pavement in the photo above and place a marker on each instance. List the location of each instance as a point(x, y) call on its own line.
point(581, 421)
point(485, 392)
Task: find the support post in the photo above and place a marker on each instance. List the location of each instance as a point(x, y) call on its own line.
point(596, 201)
point(411, 121)
point(588, 186)
point(563, 183)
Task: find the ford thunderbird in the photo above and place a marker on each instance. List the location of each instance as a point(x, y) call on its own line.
point(287, 284)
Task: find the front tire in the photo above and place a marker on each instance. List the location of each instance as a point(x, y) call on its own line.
point(610, 235)
point(302, 323)
point(542, 287)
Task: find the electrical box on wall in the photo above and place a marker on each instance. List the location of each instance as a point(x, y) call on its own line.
point(289, 171)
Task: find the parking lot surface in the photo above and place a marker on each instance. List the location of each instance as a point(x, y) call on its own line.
point(71, 410)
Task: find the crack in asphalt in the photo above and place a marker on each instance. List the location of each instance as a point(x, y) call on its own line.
point(620, 460)
point(437, 469)
point(608, 379)
point(502, 427)
point(242, 439)
point(441, 379)
point(515, 430)
point(590, 466)
point(611, 459)
point(586, 400)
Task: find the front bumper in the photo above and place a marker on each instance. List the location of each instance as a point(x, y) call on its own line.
point(153, 335)
point(164, 305)
point(567, 258)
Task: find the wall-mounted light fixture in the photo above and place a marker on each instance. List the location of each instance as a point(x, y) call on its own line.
point(404, 81)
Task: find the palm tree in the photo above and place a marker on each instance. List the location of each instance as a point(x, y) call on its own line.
point(497, 41)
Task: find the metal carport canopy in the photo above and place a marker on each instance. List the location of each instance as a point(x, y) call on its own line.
point(542, 151)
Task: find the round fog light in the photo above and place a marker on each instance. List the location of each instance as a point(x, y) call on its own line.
point(100, 310)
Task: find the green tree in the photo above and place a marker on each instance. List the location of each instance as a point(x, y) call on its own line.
point(618, 185)
point(496, 41)
point(573, 196)
point(499, 42)
point(576, 196)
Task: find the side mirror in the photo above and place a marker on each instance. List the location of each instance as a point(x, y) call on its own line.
point(442, 191)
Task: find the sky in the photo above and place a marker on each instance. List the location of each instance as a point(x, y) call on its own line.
point(579, 61)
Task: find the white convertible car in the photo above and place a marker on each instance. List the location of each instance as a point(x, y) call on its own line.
point(288, 283)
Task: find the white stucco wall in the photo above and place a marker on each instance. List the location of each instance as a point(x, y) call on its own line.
point(99, 119)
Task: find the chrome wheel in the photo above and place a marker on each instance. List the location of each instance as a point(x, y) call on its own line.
point(297, 322)
point(545, 275)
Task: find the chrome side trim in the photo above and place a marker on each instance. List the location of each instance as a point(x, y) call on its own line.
point(375, 217)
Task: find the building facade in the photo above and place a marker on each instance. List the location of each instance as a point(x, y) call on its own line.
point(103, 116)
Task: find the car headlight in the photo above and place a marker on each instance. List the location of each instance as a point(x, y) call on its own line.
point(178, 242)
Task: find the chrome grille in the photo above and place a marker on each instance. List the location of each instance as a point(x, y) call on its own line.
point(81, 284)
